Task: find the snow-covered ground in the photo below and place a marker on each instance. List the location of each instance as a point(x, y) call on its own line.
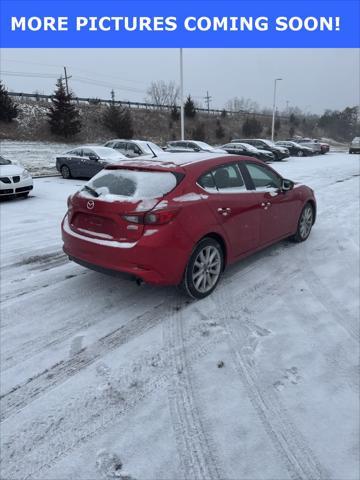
point(104, 379)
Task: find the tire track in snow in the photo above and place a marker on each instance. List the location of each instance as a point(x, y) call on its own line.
point(196, 453)
point(325, 297)
point(67, 330)
point(292, 448)
point(25, 393)
point(45, 441)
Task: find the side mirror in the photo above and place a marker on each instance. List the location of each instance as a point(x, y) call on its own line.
point(286, 185)
point(196, 149)
point(93, 157)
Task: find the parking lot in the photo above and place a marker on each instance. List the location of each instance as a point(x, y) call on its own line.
point(102, 378)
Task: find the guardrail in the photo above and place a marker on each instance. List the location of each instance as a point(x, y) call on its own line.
point(139, 105)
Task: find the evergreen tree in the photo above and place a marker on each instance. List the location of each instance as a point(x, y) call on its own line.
point(118, 119)
point(175, 115)
point(223, 113)
point(8, 109)
point(63, 116)
point(199, 132)
point(252, 127)
point(189, 107)
point(219, 132)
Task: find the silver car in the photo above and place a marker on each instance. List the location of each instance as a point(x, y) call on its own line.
point(355, 145)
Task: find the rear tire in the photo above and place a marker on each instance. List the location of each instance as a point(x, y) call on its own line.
point(204, 269)
point(305, 224)
point(65, 172)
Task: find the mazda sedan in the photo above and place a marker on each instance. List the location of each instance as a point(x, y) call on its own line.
point(181, 222)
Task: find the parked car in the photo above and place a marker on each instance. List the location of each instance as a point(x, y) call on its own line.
point(355, 145)
point(86, 161)
point(135, 148)
point(15, 180)
point(295, 149)
point(279, 153)
point(307, 142)
point(183, 221)
point(249, 150)
point(192, 146)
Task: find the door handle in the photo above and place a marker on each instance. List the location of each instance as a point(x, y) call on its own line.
point(266, 205)
point(224, 211)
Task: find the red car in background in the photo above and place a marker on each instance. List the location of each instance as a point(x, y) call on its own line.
point(182, 221)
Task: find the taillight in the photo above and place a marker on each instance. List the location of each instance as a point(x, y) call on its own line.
point(155, 217)
point(160, 217)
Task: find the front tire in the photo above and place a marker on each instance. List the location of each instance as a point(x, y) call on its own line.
point(305, 224)
point(204, 269)
point(65, 172)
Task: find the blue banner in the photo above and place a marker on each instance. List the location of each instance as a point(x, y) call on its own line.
point(188, 24)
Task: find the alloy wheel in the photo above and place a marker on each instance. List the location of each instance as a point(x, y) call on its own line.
point(206, 268)
point(306, 222)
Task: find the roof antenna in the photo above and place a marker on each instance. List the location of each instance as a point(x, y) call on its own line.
point(152, 151)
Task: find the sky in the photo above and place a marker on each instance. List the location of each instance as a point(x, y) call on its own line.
point(312, 79)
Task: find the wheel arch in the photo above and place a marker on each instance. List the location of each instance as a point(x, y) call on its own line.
point(216, 236)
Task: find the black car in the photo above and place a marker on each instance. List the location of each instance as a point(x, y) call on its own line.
point(279, 152)
point(248, 150)
point(86, 161)
point(295, 149)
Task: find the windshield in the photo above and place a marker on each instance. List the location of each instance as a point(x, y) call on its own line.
point(249, 147)
point(4, 161)
point(204, 145)
point(269, 143)
point(154, 147)
point(132, 183)
point(105, 152)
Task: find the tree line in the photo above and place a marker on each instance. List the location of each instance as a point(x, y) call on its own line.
point(64, 117)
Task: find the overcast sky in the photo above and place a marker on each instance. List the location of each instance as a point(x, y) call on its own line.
point(313, 79)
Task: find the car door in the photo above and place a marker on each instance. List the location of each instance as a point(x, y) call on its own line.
point(234, 207)
point(73, 161)
point(278, 208)
point(90, 164)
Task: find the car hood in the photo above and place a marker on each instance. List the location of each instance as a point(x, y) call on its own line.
point(9, 170)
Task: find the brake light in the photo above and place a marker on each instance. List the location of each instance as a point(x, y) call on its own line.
point(155, 217)
point(160, 217)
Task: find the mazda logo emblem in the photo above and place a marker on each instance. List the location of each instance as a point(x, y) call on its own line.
point(90, 204)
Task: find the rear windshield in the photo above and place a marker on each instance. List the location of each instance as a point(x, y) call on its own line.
point(132, 183)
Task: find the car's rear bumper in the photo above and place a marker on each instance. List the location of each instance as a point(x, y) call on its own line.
point(153, 258)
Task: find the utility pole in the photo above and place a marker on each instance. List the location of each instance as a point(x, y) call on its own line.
point(274, 109)
point(207, 101)
point(66, 81)
point(182, 96)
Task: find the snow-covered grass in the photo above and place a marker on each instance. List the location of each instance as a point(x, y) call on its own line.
point(104, 379)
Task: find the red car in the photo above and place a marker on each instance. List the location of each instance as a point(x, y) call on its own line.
point(183, 221)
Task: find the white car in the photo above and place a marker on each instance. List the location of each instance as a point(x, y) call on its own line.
point(15, 180)
point(192, 146)
point(135, 148)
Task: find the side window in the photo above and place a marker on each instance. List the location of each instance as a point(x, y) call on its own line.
point(225, 179)
point(133, 149)
point(77, 152)
point(87, 152)
point(263, 177)
point(207, 181)
point(120, 146)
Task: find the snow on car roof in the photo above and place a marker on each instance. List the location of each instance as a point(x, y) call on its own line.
point(174, 160)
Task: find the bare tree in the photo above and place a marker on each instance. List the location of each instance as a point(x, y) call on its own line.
point(237, 104)
point(162, 93)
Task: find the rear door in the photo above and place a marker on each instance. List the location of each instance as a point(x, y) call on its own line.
point(277, 208)
point(234, 207)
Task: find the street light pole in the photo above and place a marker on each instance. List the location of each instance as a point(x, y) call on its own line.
point(182, 96)
point(274, 108)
